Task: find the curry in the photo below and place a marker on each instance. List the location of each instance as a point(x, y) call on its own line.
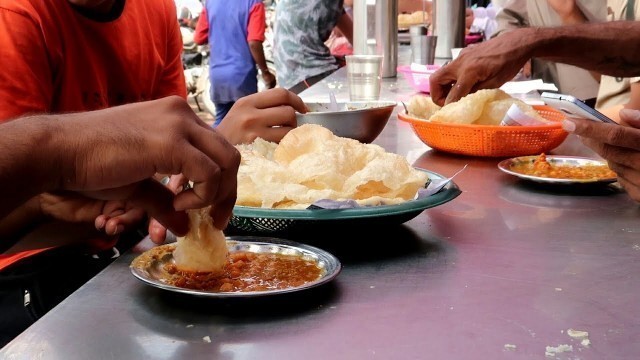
point(541, 167)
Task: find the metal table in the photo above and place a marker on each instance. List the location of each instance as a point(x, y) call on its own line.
point(502, 271)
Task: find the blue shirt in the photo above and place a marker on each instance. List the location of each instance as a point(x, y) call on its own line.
point(232, 70)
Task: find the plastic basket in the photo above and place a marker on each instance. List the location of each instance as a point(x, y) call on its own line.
point(419, 80)
point(491, 141)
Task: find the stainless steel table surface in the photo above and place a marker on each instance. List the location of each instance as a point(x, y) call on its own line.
point(505, 263)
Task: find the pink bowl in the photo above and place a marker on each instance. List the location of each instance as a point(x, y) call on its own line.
point(419, 80)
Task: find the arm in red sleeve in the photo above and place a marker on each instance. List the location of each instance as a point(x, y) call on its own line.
point(257, 23)
point(201, 36)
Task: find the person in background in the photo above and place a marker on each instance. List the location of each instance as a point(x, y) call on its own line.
point(484, 21)
point(235, 32)
point(551, 13)
point(302, 27)
point(83, 55)
point(338, 44)
point(188, 12)
point(616, 93)
point(608, 48)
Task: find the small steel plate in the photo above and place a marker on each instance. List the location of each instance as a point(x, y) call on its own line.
point(330, 266)
point(507, 166)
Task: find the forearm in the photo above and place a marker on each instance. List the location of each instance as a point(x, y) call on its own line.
point(345, 25)
point(28, 160)
point(257, 52)
point(609, 48)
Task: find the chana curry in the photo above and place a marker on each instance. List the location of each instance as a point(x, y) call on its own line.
point(541, 167)
point(244, 271)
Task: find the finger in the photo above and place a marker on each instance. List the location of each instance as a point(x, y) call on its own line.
point(157, 200)
point(630, 117)
point(113, 208)
point(125, 221)
point(279, 116)
point(616, 154)
point(630, 175)
point(205, 175)
point(461, 88)
point(100, 222)
point(631, 188)
point(212, 164)
point(221, 213)
point(275, 134)
point(177, 182)
point(278, 97)
point(440, 84)
point(157, 232)
point(621, 136)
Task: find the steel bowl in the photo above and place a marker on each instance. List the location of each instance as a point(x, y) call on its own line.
point(361, 120)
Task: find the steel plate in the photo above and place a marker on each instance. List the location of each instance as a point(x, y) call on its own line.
point(507, 166)
point(330, 266)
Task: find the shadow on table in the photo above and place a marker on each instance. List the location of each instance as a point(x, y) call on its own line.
point(574, 196)
point(259, 308)
point(366, 243)
point(577, 189)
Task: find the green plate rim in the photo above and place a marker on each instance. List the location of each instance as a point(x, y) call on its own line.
point(446, 194)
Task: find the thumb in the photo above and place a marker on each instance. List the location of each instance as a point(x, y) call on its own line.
point(630, 117)
point(157, 201)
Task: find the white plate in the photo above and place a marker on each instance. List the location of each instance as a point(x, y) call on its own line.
point(507, 166)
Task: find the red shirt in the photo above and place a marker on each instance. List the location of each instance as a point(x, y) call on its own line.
point(54, 59)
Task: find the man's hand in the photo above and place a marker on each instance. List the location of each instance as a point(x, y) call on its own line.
point(157, 231)
point(268, 115)
point(618, 144)
point(113, 217)
point(269, 79)
point(113, 154)
point(483, 66)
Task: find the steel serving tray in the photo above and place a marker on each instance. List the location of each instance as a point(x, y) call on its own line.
point(330, 266)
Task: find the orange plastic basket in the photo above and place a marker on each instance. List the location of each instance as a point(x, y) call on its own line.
point(491, 141)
